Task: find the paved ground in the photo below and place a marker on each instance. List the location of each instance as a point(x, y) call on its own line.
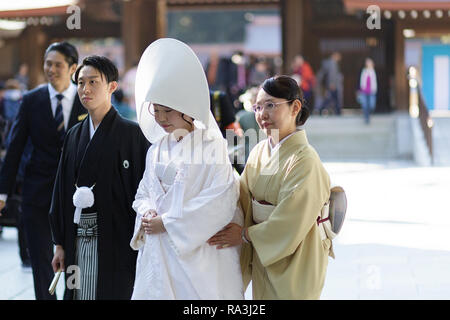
point(395, 243)
point(441, 141)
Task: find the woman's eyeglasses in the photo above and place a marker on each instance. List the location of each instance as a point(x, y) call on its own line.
point(268, 106)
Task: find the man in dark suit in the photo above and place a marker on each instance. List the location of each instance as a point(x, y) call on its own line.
point(45, 114)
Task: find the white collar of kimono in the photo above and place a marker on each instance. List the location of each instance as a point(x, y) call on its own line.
point(173, 146)
point(191, 149)
point(170, 74)
point(278, 145)
point(91, 128)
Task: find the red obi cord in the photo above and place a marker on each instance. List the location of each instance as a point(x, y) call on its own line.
point(323, 220)
point(263, 202)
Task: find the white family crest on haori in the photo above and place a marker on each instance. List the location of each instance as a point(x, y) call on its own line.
point(82, 198)
point(194, 200)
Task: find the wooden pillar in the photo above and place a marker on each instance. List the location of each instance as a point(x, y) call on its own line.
point(401, 89)
point(32, 45)
point(143, 21)
point(292, 17)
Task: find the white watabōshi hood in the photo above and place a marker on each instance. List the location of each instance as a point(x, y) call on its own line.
point(169, 73)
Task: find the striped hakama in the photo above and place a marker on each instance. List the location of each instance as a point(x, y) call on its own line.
point(86, 257)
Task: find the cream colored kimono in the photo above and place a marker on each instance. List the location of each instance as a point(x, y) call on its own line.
point(286, 258)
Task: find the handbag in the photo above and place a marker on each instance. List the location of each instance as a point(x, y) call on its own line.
point(332, 215)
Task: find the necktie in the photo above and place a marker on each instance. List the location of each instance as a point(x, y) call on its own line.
point(59, 118)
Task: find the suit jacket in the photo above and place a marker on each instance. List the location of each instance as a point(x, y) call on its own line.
point(35, 120)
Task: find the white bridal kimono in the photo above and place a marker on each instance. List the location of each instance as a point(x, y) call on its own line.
point(195, 201)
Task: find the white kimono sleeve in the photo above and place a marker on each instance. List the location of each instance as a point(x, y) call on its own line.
point(143, 202)
point(195, 217)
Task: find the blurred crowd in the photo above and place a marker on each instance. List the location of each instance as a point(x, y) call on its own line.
point(232, 80)
point(11, 93)
point(238, 75)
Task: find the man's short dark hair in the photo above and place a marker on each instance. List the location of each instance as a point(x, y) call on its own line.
point(69, 52)
point(105, 66)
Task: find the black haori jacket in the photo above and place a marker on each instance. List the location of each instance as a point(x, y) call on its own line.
point(114, 160)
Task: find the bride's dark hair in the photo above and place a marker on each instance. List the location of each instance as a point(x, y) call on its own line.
point(191, 123)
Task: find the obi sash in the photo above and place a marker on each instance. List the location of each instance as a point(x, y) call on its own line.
point(261, 210)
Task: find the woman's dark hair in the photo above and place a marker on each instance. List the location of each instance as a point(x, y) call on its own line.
point(284, 87)
point(102, 64)
point(66, 49)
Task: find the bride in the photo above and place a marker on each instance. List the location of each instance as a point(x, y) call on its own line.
point(188, 191)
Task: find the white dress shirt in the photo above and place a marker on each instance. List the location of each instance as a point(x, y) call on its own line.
point(67, 101)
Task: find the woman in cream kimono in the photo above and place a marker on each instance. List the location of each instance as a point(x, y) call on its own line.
point(283, 188)
point(188, 191)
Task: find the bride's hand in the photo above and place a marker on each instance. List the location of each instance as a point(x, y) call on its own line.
point(150, 214)
point(152, 223)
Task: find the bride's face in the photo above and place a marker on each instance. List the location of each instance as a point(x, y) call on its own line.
point(170, 119)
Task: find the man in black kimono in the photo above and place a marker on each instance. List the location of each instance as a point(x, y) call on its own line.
point(102, 162)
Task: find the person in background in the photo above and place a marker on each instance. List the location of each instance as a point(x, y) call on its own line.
point(44, 116)
point(331, 79)
point(128, 82)
point(119, 102)
point(224, 112)
point(212, 71)
point(22, 77)
point(307, 79)
point(3, 130)
point(11, 104)
point(259, 73)
point(367, 94)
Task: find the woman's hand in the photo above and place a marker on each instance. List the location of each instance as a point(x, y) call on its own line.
point(152, 223)
point(227, 237)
